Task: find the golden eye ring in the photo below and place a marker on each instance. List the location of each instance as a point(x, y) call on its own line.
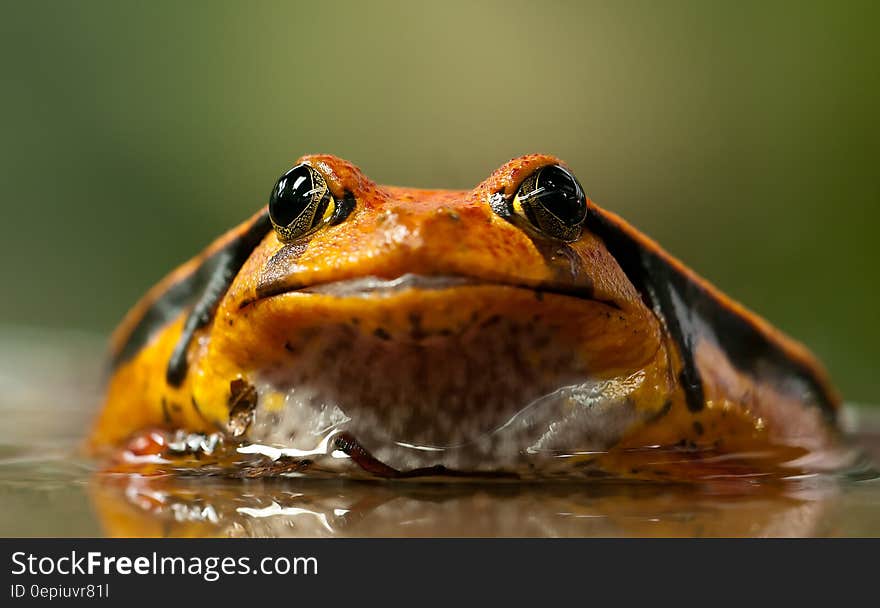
point(552, 201)
point(300, 203)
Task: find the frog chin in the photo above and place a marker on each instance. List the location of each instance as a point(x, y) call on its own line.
point(437, 372)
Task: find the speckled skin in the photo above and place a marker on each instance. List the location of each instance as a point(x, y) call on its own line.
point(268, 318)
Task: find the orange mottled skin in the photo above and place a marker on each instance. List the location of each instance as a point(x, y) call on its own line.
point(397, 231)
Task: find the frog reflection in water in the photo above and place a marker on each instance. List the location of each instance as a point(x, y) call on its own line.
point(516, 329)
point(134, 506)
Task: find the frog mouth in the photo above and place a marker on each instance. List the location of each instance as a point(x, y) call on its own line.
point(369, 286)
point(366, 286)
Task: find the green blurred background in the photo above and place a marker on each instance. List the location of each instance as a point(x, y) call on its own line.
point(745, 137)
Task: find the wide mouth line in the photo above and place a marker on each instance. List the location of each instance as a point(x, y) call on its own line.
point(372, 285)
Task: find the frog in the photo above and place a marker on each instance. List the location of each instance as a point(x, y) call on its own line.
point(513, 330)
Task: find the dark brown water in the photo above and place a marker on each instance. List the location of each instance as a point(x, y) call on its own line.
point(49, 391)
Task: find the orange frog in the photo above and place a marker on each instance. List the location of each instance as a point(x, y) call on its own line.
point(516, 330)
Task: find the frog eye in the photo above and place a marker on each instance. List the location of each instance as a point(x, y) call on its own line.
point(300, 202)
point(552, 200)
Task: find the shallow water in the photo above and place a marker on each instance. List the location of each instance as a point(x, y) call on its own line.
point(49, 391)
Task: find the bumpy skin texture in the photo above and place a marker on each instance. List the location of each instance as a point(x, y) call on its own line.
point(602, 299)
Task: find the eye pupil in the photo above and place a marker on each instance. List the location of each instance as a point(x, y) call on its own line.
point(291, 196)
point(560, 194)
point(298, 202)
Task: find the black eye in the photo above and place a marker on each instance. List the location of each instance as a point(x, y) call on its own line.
point(552, 200)
point(299, 203)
